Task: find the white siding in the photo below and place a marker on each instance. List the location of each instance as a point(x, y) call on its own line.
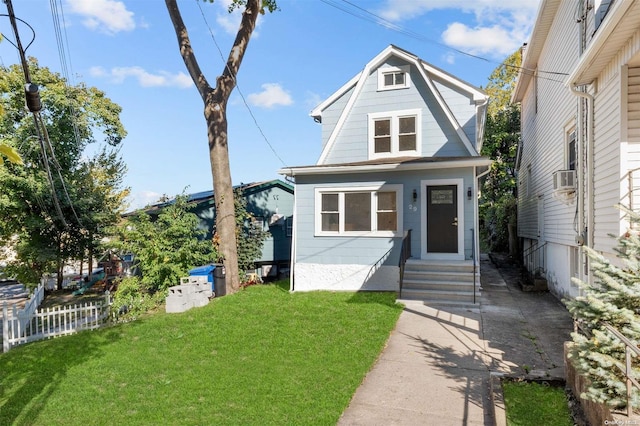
point(607, 165)
point(633, 108)
point(631, 170)
point(616, 150)
point(543, 132)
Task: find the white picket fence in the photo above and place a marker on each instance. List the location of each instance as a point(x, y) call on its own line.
point(20, 326)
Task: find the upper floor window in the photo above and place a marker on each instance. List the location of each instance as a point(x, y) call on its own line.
point(393, 78)
point(571, 150)
point(394, 133)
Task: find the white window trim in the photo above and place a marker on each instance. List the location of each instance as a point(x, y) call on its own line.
point(341, 190)
point(395, 116)
point(568, 131)
point(387, 70)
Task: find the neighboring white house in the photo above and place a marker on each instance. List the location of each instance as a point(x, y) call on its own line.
point(401, 143)
point(579, 157)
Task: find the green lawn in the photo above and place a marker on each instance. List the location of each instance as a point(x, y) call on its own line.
point(534, 404)
point(261, 356)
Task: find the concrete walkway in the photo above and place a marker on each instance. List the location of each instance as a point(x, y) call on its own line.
point(436, 367)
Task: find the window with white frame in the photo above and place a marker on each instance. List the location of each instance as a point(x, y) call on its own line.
point(390, 78)
point(574, 264)
point(571, 154)
point(393, 134)
point(371, 210)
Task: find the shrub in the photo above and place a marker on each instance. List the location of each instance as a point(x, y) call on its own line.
point(133, 299)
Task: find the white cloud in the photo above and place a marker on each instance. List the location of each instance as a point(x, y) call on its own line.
point(313, 100)
point(495, 27)
point(108, 16)
point(480, 40)
point(140, 199)
point(272, 95)
point(402, 10)
point(449, 58)
point(144, 78)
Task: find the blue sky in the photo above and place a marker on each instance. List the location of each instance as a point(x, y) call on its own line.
point(297, 57)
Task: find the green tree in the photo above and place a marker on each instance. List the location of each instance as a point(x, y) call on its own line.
point(215, 100)
point(167, 246)
point(502, 135)
point(614, 298)
point(53, 202)
point(249, 234)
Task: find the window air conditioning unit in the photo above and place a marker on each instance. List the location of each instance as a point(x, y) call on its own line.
point(564, 181)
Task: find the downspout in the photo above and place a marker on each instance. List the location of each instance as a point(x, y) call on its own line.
point(480, 126)
point(293, 240)
point(477, 210)
point(586, 174)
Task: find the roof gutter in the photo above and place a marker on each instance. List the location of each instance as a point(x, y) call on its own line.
point(614, 17)
point(368, 168)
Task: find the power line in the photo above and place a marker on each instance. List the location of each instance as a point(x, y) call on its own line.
point(368, 16)
point(34, 105)
point(246, 104)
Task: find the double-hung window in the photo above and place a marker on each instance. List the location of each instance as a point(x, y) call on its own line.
point(394, 134)
point(370, 210)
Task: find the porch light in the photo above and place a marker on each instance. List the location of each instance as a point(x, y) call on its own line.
point(469, 193)
point(415, 195)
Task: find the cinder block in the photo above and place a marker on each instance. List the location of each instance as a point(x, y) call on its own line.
point(176, 304)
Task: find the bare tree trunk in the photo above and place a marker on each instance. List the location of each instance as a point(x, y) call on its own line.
point(215, 112)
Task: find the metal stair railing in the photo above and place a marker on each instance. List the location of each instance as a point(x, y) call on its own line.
point(405, 253)
point(534, 261)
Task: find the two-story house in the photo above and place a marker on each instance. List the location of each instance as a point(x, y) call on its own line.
point(400, 162)
point(579, 156)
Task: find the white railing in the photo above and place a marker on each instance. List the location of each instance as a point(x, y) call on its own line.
point(19, 328)
point(36, 298)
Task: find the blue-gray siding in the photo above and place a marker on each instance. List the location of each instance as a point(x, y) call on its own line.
point(439, 138)
point(368, 250)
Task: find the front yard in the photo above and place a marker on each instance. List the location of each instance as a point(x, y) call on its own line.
point(262, 356)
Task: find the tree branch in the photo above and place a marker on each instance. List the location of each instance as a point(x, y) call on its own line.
point(247, 25)
point(186, 51)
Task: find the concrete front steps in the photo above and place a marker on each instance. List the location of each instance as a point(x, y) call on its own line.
point(442, 282)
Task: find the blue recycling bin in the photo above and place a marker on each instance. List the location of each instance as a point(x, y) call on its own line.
point(207, 271)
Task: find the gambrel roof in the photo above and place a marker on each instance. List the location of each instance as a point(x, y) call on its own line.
point(428, 73)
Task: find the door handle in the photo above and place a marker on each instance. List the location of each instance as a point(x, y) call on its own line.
point(455, 221)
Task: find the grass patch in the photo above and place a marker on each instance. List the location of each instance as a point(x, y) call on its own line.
point(261, 356)
point(532, 403)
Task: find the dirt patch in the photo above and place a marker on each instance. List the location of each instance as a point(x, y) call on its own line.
point(66, 297)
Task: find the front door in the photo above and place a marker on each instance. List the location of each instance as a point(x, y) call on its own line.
point(442, 219)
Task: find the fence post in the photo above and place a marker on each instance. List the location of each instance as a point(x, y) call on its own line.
point(107, 307)
point(5, 328)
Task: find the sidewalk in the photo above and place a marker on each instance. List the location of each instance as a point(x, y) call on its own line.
point(435, 369)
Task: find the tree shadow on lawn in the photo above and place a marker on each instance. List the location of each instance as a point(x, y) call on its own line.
point(31, 373)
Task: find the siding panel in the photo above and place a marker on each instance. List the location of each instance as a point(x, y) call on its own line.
point(439, 138)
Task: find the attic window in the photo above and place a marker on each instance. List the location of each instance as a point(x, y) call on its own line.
point(391, 78)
